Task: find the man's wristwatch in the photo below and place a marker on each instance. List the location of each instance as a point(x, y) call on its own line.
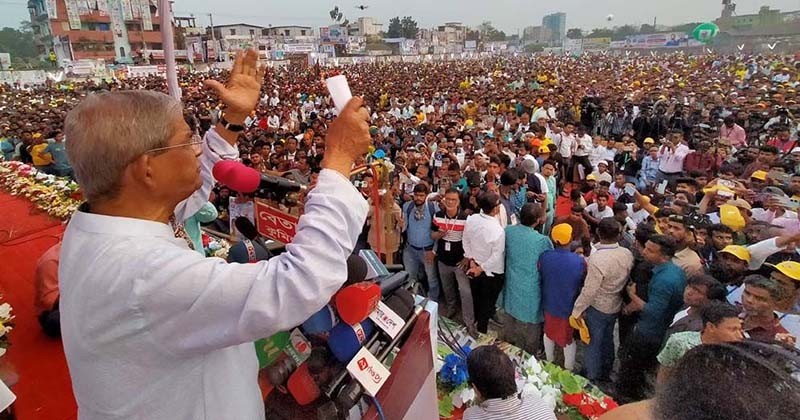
point(236, 128)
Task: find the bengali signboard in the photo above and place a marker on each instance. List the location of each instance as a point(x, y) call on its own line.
point(275, 224)
point(590, 44)
point(147, 20)
point(73, 14)
point(52, 10)
point(662, 40)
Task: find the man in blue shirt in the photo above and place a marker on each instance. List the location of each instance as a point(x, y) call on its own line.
point(418, 254)
point(664, 300)
point(562, 273)
point(58, 151)
point(522, 296)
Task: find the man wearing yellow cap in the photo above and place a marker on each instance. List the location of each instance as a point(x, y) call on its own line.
point(562, 273)
point(787, 274)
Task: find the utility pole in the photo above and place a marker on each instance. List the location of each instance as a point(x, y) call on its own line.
point(213, 37)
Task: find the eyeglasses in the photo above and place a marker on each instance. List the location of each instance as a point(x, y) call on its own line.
point(196, 143)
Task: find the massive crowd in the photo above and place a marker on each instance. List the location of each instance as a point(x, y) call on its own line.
point(658, 194)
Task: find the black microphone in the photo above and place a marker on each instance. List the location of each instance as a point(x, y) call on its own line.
point(242, 179)
point(249, 231)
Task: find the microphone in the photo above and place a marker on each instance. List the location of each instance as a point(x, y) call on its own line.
point(355, 302)
point(345, 340)
point(321, 322)
point(279, 372)
point(242, 179)
point(392, 282)
point(302, 386)
point(356, 269)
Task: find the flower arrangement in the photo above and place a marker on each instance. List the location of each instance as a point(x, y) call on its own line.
point(6, 325)
point(58, 197)
point(569, 395)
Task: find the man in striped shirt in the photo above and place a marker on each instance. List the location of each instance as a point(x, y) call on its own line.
point(447, 230)
point(491, 374)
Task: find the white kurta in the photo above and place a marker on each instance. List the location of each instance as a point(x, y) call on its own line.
point(151, 329)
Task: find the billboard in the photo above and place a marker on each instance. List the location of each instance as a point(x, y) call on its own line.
point(573, 46)
point(334, 34)
point(590, 44)
point(663, 40)
point(470, 45)
point(356, 45)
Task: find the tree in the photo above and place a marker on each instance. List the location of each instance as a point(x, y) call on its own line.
point(18, 43)
point(395, 28)
point(409, 27)
point(489, 33)
point(647, 29)
point(575, 33)
point(601, 33)
point(624, 31)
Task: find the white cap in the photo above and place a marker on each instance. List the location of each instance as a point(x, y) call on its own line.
point(795, 150)
point(602, 162)
point(461, 141)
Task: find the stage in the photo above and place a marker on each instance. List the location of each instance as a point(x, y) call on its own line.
point(44, 390)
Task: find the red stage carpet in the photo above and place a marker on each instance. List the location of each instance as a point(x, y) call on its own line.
point(44, 390)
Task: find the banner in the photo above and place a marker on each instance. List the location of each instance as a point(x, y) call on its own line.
point(147, 21)
point(663, 40)
point(52, 9)
point(73, 14)
point(275, 224)
point(102, 7)
point(127, 14)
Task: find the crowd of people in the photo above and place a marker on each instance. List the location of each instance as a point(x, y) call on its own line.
point(656, 194)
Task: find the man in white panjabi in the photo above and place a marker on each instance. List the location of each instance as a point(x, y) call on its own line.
point(152, 329)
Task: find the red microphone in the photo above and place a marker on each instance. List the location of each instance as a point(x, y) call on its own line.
point(302, 386)
point(354, 303)
point(242, 179)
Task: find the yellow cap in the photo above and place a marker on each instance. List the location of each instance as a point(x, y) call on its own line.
point(762, 175)
point(738, 251)
point(649, 140)
point(544, 149)
point(591, 177)
point(583, 329)
point(561, 234)
point(790, 269)
point(731, 217)
point(469, 123)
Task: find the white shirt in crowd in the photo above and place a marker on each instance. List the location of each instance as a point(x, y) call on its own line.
point(593, 211)
point(586, 142)
point(485, 242)
point(152, 329)
point(672, 162)
point(637, 216)
point(565, 146)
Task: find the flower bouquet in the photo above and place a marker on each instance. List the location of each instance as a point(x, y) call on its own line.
point(58, 197)
point(6, 325)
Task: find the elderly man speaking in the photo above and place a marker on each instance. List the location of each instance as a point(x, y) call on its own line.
point(152, 329)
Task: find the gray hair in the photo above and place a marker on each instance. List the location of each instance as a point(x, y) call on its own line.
point(108, 131)
point(772, 286)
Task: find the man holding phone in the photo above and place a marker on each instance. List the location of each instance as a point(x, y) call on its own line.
point(671, 156)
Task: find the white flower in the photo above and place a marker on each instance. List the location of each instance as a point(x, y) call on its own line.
point(530, 390)
point(532, 365)
point(550, 400)
point(465, 396)
point(5, 311)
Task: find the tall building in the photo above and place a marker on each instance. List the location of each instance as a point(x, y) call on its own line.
point(556, 26)
point(365, 26)
point(122, 31)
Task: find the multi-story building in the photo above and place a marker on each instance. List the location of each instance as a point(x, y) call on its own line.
point(121, 31)
point(556, 25)
point(239, 30)
point(364, 26)
point(290, 31)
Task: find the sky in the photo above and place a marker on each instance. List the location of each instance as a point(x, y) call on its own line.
point(508, 15)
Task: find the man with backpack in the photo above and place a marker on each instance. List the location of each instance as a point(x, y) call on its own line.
point(418, 254)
